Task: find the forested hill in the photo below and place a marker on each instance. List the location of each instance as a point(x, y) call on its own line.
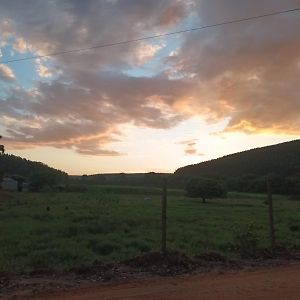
point(15, 165)
point(281, 159)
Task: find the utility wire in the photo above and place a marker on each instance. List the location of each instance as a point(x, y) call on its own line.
point(152, 37)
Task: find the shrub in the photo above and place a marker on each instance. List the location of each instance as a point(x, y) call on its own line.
point(246, 242)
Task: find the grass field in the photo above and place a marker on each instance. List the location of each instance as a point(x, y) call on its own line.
point(64, 230)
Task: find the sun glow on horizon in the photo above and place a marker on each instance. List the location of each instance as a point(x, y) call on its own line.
point(149, 105)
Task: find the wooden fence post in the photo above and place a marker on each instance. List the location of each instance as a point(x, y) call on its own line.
point(270, 211)
point(164, 218)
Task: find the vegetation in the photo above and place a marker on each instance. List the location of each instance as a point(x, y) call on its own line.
point(61, 230)
point(150, 179)
point(241, 172)
point(205, 188)
point(91, 219)
point(293, 187)
point(246, 171)
point(282, 159)
point(39, 174)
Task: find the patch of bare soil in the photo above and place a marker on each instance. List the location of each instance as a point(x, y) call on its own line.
point(168, 264)
point(173, 264)
point(272, 283)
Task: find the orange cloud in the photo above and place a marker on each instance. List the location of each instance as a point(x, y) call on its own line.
point(245, 73)
point(6, 73)
point(190, 147)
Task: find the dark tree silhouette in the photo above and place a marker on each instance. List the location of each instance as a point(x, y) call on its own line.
point(205, 188)
point(36, 173)
point(2, 149)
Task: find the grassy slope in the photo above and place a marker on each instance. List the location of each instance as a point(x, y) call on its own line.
point(81, 228)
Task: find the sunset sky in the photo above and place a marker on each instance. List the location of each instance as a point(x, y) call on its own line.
point(152, 105)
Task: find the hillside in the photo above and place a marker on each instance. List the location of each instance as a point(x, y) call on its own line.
point(281, 159)
point(15, 165)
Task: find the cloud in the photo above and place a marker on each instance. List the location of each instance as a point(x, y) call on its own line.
point(247, 73)
point(190, 142)
point(93, 147)
point(145, 52)
point(42, 70)
point(88, 118)
point(6, 73)
point(190, 147)
point(56, 26)
point(84, 107)
point(193, 152)
point(20, 45)
point(5, 29)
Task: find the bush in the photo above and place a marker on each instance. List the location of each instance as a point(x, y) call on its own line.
point(246, 242)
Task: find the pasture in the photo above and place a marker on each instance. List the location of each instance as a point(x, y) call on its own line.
point(108, 224)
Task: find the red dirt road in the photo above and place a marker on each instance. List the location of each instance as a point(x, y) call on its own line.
point(272, 283)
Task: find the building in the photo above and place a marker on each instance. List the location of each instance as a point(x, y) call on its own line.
point(9, 184)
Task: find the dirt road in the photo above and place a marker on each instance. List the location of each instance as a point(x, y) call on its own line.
point(272, 283)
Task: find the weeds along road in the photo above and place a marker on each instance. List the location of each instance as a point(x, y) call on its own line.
point(282, 283)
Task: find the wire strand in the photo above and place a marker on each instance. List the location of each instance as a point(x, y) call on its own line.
point(152, 37)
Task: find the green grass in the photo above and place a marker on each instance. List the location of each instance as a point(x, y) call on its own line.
point(112, 224)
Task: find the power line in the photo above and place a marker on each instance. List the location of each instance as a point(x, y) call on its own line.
point(151, 37)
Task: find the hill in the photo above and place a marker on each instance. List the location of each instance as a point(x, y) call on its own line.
point(11, 165)
point(246, 171)
point(281, 159)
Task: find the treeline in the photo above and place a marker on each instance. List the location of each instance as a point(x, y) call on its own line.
point(37, 174)
point(289, 185)
point(150, 179)
point(249, 183)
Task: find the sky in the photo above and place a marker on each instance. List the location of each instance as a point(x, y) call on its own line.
point(152, 105)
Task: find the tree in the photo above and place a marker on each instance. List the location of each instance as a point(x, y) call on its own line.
point(2, 149)
point(293, 187)
point(205, 188)
point(49, 178)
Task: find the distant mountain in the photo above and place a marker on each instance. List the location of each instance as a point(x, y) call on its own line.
point(14, 165)
point(281, 159)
